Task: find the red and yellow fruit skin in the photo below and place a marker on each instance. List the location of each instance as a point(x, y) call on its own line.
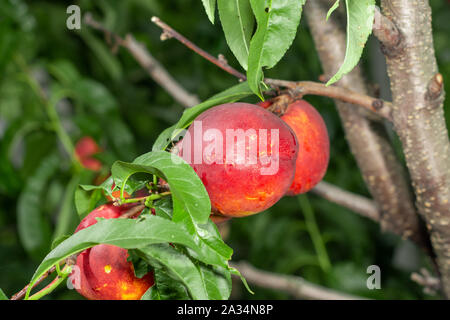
point(314, 145)
point(104, 272)
point(237, 189)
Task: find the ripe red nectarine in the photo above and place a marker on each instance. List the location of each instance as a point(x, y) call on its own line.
point(314, 145)
point(103, 270)
point(244, 155)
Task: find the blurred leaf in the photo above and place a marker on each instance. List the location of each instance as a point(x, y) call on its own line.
point(95, 95)
point(184, 183)
point(104, 55)
point(3, 295)
point(121, 138)
point(67, 217)
point(237, 21)
point(34, 230)
point(210, 8)
point(277, 21)
point(360, 15)
point(314, 232)
point(64, 71)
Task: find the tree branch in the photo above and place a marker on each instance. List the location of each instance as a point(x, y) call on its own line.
point(19, 295)
point(368, 140)
point(387, 33)
point(295, 286)
point(418, 118)
point(148, 62)
point(359, 204)
point(169, 32)
point(377, 106)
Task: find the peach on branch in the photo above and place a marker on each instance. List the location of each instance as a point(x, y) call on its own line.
point(103, 270)
point(244, 155)
point(314, 145)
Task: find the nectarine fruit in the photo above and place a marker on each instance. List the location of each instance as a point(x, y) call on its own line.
point(103, 270)
point(244, 155)
point(314, 145)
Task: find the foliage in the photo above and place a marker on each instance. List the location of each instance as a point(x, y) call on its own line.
point(87, 90)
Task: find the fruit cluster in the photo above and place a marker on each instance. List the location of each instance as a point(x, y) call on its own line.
point(247, 158)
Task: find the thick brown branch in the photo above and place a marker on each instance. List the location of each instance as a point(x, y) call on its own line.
point(368, 140)
point(359, 204)
point(420, 123)
point(377, 106)
point(295, 286)
point(149, 63)
point(387, 33)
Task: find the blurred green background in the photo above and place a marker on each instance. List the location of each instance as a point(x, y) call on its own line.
point(45, 67)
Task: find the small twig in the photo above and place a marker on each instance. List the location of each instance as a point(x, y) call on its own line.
point(169, 32)
point(19, 295)
point(430, 284)
point(359, 204)
point(148, 62)
point(295, 286)
point(301, 88)
point(133, 212)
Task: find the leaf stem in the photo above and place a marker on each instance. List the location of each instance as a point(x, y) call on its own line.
point(151, 197)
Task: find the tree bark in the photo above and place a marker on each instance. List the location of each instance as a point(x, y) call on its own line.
point(417, 90)
point(368, 140)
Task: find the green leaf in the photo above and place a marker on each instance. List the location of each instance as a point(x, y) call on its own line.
point(3, 295)
point(163, 208)
point(128, 234)
point(140, 267)
point(360, 15)
point(164, 139)
point(237, 21)
point(332, 9)
point(277, 21)
point(34, 230)
point(217, 281)
point(184, 183)
point(165, 288)
point(58, 240)
point(200, 282)
point(210, 8)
